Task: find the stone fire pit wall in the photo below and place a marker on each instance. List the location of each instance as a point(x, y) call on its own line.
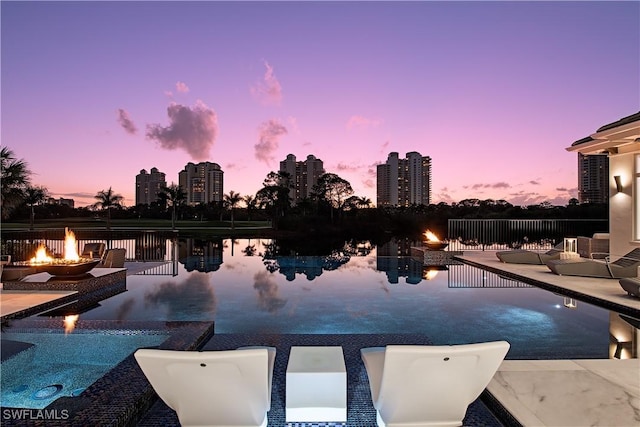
point(96, 279)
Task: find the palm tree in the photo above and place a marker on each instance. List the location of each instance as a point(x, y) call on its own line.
point(13, 180)
point(106, 200)
point(363, 202)
point(175, 195)
point(34, 196)
point(251, 203)
point(231, 200)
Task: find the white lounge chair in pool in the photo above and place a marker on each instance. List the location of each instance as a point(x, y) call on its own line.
point(212, 388)
point(415, 385)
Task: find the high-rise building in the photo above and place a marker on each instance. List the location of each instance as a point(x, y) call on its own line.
point(203, 182)
point(148, 186)
point(593, 178)
point(304, 175)
point(404, 182)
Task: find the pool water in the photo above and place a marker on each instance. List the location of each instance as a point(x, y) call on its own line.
point(369, 294)
point(59, 364)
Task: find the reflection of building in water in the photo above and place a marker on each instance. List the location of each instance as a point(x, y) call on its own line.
point(200, 255)
point(151, 246)
point(396, 267)
point(310, 266)
point(396, 248)
point(467, 276)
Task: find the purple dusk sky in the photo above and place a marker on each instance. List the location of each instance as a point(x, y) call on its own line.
point(493, 92)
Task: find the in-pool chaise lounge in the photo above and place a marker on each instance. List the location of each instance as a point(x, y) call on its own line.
point(625, 266)
point(415, 385)
point(523, 256)
point(212, 388)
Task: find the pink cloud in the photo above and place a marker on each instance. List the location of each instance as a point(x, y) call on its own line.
point(125, 121)
point(362, 122)
point(182, 87)
point(269, 134)
point(193, 130)
point(268, 91)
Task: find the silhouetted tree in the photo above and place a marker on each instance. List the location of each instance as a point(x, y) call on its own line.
point(107, 200)
point(332, 189)
point(13, 181)
point(34, 196)
point(175, 196)
point(231, 200)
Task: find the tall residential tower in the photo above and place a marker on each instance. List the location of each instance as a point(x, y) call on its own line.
point(404, 182)
point(203, 182)
point(304, 175)
point(148, 186)
point(593, 178)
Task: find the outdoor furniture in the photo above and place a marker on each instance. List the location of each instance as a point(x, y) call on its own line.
point(316, 385)
point(597, 244)
point(625, 266)
point(523, 256)
point(631, 285)
point(93, 250)
point(212, 388)
point(414, 385)
point(113, 258)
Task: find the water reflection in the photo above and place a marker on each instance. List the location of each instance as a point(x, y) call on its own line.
point(267, 288)
point(179, 298)
point(279, 287)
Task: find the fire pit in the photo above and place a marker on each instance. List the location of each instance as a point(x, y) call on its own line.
point(433, 243)
point(69, 266)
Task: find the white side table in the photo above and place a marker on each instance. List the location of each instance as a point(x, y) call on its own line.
point(316, 385)
point(569, 255)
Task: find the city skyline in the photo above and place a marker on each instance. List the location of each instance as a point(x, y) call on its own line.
point(492, 92)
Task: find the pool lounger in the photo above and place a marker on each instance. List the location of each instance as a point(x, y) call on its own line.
point(522, 256)
point(631, 285)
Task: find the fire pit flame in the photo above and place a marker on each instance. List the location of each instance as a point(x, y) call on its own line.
point(432, 242)
point(70, 265)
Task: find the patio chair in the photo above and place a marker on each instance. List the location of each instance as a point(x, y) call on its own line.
point(415, 385)
point(113, 258)
point(93, 250)
point(625, 266)
point(523, 256)
point(631, 285)
point(212, 388)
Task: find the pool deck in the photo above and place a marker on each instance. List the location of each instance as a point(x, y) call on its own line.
point(567, 392)
point(533, 392)
point(23, 303)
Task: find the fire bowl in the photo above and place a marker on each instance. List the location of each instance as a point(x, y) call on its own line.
point(67, 269)
point(436, 246)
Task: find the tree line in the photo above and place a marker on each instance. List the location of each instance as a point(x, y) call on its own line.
point(330, 207)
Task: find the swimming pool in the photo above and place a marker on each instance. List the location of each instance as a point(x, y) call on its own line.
point(343, 293)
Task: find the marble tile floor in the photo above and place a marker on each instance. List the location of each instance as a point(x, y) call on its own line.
point(565, 393)
point(570, 393)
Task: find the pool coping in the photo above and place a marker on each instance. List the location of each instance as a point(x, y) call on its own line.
point(123, 395)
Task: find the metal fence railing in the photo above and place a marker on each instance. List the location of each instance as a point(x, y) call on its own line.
point(139, 245)
point(501, 234)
